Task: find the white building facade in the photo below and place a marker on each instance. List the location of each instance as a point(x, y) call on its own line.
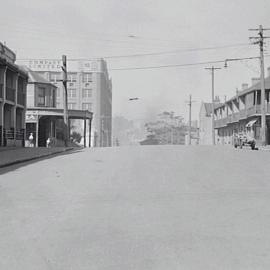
point(89, 88)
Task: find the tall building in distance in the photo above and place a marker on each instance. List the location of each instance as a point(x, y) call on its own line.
point(89, 88)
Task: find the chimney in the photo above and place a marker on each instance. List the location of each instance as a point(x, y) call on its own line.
point(255, 80)
point(268, 72)
point(217, 100)
point(244, 86)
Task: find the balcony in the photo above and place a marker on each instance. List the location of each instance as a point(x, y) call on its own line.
point(242, 114)
point(253, 110)
point(10, 94)
point(235, 117)
point(21, 98)
point(221, 122)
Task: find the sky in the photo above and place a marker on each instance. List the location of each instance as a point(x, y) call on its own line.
point(171, 32)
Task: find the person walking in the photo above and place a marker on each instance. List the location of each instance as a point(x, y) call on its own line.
point(31, 140)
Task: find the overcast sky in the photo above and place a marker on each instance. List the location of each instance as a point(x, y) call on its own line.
point(99, 28)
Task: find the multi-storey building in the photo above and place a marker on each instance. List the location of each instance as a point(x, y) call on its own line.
point(89, 88)
point(44, 122)
point(13, 83)
point(243, 113)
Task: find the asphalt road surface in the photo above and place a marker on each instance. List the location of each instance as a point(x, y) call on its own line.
point(136, 208)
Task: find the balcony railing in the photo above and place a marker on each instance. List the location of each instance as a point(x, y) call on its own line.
point(10, 94)
point(221, 122)
point(20, 134)
point(235, 117)
point(254, 110)
point(21, 98)
point(9, 134)
point(243, 114)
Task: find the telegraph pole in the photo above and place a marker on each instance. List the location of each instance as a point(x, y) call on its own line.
point(189, 118)
point(260, 40)
point(213, 101)
point(64, 80)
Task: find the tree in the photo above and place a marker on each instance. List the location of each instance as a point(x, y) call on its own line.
point(167, 129)
point(76, 137)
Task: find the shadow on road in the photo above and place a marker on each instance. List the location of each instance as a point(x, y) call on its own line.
point(14, 167)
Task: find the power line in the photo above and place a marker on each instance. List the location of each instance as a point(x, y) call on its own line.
point(155, 53)
point(182, 65)
point(157, 66)
point(178, 51)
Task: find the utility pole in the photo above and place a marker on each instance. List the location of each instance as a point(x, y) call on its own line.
point(189, 119)
point(64, 80)
point(260, 40)
point(213, 101)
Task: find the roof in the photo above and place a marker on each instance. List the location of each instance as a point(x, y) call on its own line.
point(208, 107)
point(34, 77)
point(13, 67)
point(256, 86)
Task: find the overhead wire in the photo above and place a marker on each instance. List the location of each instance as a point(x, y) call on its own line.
point(151, 54)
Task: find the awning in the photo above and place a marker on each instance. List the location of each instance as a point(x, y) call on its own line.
point(251, 123)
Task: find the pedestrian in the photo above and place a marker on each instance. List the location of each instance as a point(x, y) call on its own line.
point(31, 140)
point(48, 142)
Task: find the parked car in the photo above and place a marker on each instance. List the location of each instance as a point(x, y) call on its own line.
point(243, 139)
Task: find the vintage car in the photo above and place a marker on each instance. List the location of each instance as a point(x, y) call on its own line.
point(243, 139)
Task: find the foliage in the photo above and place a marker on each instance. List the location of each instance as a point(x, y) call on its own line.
point(167, 129)
point(76, 137)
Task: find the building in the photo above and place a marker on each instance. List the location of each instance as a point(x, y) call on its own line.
point(205, 124)
point(13, 83)
point(89, 88)
point(194, 134)
point(43, 119)
point(243, 113)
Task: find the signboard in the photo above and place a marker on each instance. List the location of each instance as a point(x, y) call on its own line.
point(55, 65)
point(31, 117)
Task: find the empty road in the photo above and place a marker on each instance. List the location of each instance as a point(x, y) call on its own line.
point(136, 208)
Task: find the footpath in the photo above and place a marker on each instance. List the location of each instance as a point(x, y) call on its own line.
point(14, 155)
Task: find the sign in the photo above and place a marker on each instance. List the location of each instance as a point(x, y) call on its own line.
point(55, 65)
point(31, 118)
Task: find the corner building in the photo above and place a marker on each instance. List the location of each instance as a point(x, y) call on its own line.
point(89, 89)
point(13, 82)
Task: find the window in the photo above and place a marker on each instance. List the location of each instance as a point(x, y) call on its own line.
point(71, 93)
point(71, 106)
point(87, 106)
point(72, 77)
point(87, 93)
point(55, 76)
point(41, 96)
point(87, 77)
